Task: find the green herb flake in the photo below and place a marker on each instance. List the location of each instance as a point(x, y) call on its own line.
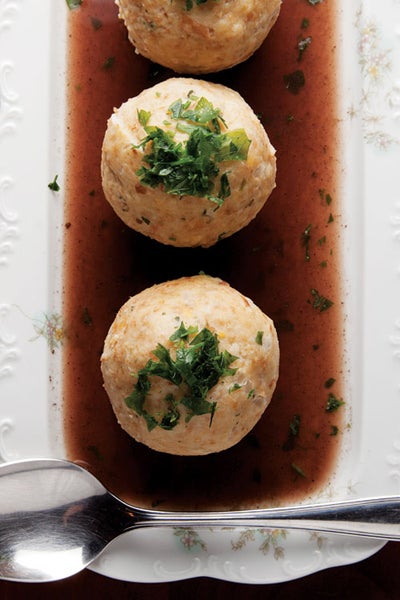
point(108, 63)
point(234, 388)
point(294, 429)
point(196, 365)
point(143, 116)
point(96, 23)
point(183, 332)
point(284, 325)
point(294, 81)
point(305, 23)
point(96, 452)
point(305, 240)
point(315, 2)
point(322, 240)
point(251, 394)
point(190, 3)
point(191, 167)
point(53, 185)
point(72, 4)
point(150, 25)
point(334, 430)
point(325, 197)
point(331, 218)
point(302, 46)
point(333, 403)
point(298, 470)
point(320, 302)
point(259, 337)
point(329, 382)
point(86, 317)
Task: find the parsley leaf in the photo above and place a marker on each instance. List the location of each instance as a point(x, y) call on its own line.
point(333, 403)
point(72, 4)
point(294, 429)
point(191, 167)
point(189, 3)
point(196, 368)
point(298, 470)
point(302, 46)
point(320, 302)
point(53, 185)
point(294, 81)
point(259, 337)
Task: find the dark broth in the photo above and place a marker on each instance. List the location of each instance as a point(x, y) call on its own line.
point(105, 263)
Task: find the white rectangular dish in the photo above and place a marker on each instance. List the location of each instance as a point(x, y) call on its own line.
point(32, 138)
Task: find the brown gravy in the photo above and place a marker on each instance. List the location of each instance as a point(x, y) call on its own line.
point(105, 263)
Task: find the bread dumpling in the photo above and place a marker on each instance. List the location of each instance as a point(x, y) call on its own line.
point(187, 162)
point(198, 36)
point(190, 365)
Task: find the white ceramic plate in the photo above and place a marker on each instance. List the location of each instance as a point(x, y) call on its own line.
point(32, 53)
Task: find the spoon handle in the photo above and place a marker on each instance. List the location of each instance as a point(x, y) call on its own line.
point(371, 517)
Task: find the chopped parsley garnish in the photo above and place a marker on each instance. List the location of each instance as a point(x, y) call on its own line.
point(87, 317)
point(294, 429)
point(302, 46)
point(234, 388)
point(191, 167)
point(259, 337)
point(329, 382)
point(96, 23)
point(109, 62)
point(195, 366)
point(327, 198)
point(53, 185)
point(320, 302)
point(334, 430)
point(305, 23)
point(284, 325)
point(298, 470)
point(333, 403)
point(189, 3)
point(73, 4)
point(294, 81)
point(96, 452)
point(314, 2)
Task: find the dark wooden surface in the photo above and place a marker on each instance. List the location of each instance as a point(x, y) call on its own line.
point(376, 578)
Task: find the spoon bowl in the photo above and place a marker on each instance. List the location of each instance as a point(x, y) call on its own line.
point(56, 518)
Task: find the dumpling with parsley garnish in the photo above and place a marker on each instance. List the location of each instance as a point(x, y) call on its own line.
point(187, 162)
point(198, 36)
point(190, 365)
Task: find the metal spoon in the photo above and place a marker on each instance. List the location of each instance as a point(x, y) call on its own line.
point(56, 518)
